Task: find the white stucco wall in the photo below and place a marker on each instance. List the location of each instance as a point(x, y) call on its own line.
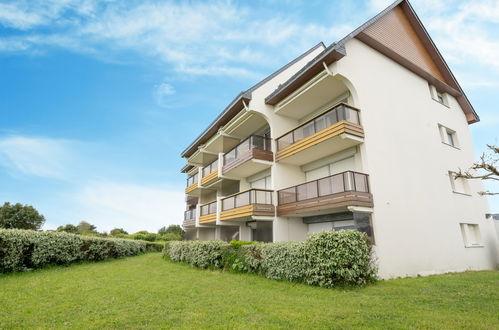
point(416, 214)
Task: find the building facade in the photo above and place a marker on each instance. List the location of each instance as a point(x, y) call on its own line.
point(363, 134)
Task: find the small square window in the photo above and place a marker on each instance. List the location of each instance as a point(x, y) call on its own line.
point(459, 185)
point(448, 136)
point(471, 234)
point(440, 97)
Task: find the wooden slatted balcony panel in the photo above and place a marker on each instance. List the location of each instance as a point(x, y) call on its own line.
point(248, 157)
point(209, 218)
point(191, 187)
point(253, 202)
point(326, 195)
point(330, 132)
point(209, 178)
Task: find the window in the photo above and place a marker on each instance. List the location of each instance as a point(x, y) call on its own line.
point(438, 96)
point(471, 234)
point(459, 185)
point(448, 136)
point(263, 183)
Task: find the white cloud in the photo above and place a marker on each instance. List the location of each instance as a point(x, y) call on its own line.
point(131, 206)
point(41, 157)
point(161, 94)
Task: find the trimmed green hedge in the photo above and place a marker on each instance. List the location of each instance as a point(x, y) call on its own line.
point(27, 249)
point(325, 259)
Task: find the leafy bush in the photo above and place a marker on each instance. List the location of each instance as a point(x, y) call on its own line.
point(27, 249)
point(284, 261)
point(339, 257)
point(325, 259)
point(154, 246)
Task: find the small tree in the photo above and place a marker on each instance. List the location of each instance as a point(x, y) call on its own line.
point(484, 169)
point(69, 228)
point(172, 229)
point(86, 228)
point(118, 231)
point(20, 216)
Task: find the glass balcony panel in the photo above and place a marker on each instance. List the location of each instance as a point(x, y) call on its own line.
point(228, 203)
point(242, 199)
point(349, 184)
point(325, 186)
point(341, 112)
point(337, 184)
point(230, 156)
point(303, 131)
point(352, 115)
point(262, 197)
point(285, 141)
point(320, 123)
point(287, 195)
point(331, 118)
point(360, 182)
point(213, 207)
point(307, 190)
point(243, 148)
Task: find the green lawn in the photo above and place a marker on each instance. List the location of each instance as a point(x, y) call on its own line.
point(149, 292)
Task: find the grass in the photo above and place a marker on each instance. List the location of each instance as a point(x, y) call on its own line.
point(149, 292)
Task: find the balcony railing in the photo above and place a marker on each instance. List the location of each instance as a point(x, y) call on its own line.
point(339, 183)
point(192, 180)
point(329, 118)
point(209, 208)
point(208, 169)
point(249, 197)
point(243, 148)
point(190, 218)
point(190, 214)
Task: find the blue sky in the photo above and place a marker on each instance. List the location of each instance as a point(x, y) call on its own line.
point(98, 98)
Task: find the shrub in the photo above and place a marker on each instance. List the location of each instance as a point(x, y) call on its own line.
point(325, 259)
point(338, 258)
point(284, 261)
point(206, 254)
point(154, 246)
point(27, 249)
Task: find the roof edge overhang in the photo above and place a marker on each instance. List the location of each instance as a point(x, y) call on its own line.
point(231, 110)
point(450, 86)
point(331, 54)
point(237, 103)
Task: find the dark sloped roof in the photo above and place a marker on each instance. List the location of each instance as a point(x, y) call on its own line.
point(314, 66)
point(236, 105)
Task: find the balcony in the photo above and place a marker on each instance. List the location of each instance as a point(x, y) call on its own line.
point(209, 174)
point(332, 131)
point(247, 204)
point(327, 195)
point(190, 218)
point(248, 157)
point(208, 213)
point(192, 185)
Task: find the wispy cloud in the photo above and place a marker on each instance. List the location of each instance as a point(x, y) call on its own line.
point(30, 156)
point(161, 94)
point(197, 38)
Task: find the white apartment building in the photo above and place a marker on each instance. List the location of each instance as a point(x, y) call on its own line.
point(363, 134)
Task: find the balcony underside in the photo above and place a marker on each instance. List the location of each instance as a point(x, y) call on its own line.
point(247, 212)
point(251, 163)
point(335, 138)
point(208, 218)
point(317, 92)
point(326, 204)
